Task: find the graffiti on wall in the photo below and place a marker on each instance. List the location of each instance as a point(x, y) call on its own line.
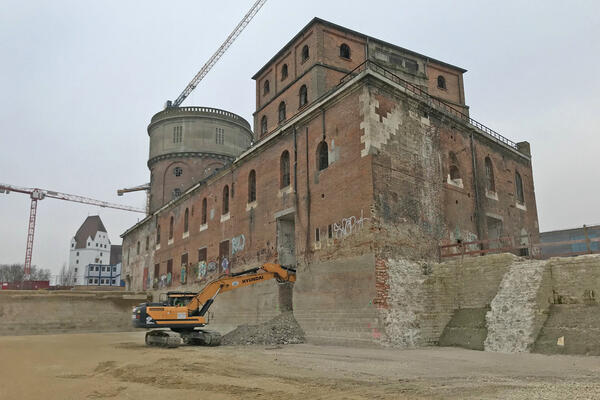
point(212, 266)
point(225, 265)
point(202, 269)
point(348, 225)
point(238, 243)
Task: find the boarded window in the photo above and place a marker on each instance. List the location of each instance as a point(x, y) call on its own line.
point(284, 165)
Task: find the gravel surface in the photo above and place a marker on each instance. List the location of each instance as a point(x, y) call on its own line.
point(283, 329)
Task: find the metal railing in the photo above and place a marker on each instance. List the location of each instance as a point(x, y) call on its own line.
point(429, 99)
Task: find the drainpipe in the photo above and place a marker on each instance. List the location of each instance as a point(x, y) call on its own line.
point(476, 188)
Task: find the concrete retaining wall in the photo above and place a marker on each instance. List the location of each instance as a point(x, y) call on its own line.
point(46, 312)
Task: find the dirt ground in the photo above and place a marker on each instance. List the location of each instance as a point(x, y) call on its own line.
point(120, 366)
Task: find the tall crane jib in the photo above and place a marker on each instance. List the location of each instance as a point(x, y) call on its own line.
point(218, 54)
point(40, 194)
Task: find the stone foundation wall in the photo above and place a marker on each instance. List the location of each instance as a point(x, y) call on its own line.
point(30, 313)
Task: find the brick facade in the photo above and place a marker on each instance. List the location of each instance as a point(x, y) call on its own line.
point(401, 176)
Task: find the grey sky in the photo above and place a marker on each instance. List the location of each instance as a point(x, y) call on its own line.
point(80, 81)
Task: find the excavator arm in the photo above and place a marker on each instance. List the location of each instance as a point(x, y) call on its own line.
point(179, 316)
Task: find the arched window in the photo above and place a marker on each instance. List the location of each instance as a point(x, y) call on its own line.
point(303, 95)
point(252, 186)
point(204, 209)
point(225, 208)
point(345, 51)
point(281, 111)
point(453, 170)
point(441, 81)
point(171, 222)
point(266, 87)
point(186, 220)
point(263, 125)
point(284, 167)
point(158, 234)
point(490, 184)
point(284, 71)
point(177, 171)
point(305, 53)
point(519, 188)
point(322, 156)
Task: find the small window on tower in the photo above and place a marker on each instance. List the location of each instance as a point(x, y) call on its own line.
point(303, 95)
point(281, 111)
point(284, 71)
point(263, 125)
point(345, 51)
point(177, 171)
point(266, 87)
point(220, 136)
point(305, 53)
point(177, 134)
point(441, 82)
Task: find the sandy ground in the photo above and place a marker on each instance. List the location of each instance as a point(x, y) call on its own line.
point(120, 366)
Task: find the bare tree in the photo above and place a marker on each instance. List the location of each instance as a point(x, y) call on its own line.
point(16, 273)
point(66, 275)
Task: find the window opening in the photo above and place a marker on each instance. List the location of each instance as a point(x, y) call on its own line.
point(519, 185)
point(322, 156)
point(284, 71)
point(285, 169)
point(441, 82)
point(220, 136)
point(305, 53)
point(252, 186)
point(177, 134)
point(177, 171)
point(171, 222)
point(263, 125)
point(186, 218)
point(303, 95)
point(345, 51)
point(282, 111)
point(266, 87)
point(204, 206)
point(490, 185)
point(225, 207)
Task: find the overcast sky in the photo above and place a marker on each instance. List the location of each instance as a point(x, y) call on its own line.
point(80, 80)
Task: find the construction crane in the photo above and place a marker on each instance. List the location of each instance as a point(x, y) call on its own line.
point(218, 54)
point(39, 194)
point(145, 186)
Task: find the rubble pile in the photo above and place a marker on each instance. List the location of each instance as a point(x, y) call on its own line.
point(283, 329)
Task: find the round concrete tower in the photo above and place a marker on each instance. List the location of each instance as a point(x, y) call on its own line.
point(187, 144)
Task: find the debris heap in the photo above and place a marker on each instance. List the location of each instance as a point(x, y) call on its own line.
point(283, 329)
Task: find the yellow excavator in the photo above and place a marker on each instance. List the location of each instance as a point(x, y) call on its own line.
point(182, 313)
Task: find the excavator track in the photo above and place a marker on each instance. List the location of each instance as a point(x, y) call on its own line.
point(163, 338)
point(170, 339)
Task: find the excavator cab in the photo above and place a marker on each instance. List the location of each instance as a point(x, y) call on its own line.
point(177, 299)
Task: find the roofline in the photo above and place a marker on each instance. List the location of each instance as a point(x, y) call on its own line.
point(356, 33)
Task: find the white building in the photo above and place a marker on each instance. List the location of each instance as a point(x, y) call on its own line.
point(91, 245)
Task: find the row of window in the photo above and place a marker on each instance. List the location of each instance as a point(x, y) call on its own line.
point(344, 53)
point(102, 281)
point(178, 135)
point(490, 182)
point(284, 182)
point(302, 101)
point(105, 268)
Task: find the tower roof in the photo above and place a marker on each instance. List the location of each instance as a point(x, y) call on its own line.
point(92, 225)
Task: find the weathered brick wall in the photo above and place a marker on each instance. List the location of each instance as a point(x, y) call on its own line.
point(33, 313)
point(576, 280)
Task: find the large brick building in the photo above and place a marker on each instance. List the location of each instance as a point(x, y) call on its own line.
point(364, 158)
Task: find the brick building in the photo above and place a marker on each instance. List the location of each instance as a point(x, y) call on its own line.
point(364, 160)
